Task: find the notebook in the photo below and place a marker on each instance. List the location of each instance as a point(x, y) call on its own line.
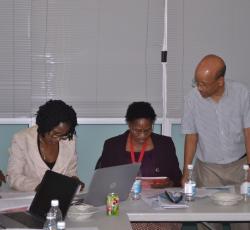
point(53, 186)
point(118, 179)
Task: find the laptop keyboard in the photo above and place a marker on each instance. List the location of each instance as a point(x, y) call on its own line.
point(26, 219)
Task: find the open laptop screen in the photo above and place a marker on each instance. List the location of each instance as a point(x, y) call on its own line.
point(118, 179)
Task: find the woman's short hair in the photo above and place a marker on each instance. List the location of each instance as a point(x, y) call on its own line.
point(54, 112)
point(140, 109)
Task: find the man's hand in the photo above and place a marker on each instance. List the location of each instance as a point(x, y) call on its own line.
point(2, 177)
point(184, 178)
point(248, 175)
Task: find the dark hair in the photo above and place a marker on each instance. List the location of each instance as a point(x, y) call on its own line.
point(52, 113)
point(140, 109)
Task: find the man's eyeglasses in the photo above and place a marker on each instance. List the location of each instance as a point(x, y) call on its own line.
point(203, 84)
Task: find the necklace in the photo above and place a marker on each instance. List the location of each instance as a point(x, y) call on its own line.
point(132, 152)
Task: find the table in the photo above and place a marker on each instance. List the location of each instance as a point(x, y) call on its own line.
point(100, 220)
point(103, 222)
point(201, 210)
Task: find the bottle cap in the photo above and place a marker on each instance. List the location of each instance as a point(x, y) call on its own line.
point(137, 181)
point(54, 203)
point(61, 225)
point(190, 166)
point(245, 167)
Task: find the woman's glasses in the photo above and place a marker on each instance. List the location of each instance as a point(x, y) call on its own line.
point(138, 132)
point(57, 136)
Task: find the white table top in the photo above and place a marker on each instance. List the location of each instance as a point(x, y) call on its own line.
point(12, 199)
point(102, 221)
point(201, 210)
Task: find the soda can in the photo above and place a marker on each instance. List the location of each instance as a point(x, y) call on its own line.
point(112, 206)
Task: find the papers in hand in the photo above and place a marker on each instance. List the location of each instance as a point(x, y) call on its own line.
point(152, 178)
point(154, 182)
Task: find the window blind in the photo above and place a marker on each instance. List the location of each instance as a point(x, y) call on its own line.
point(15, 58)
point(200, 27)
point(97, 56)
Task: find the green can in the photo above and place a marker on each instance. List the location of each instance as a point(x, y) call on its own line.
point(112, 205)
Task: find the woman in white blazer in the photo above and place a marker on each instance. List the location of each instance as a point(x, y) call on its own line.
point(49, 145)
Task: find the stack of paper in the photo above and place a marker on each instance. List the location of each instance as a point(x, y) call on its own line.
point(159, 201)
point(165, 203)
point(12, 200)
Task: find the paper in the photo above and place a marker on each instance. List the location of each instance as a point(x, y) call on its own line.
point(165, 203)
point(13, 200)
point(209, 191)
point(157, 200)
point(9, 204)
point(154, 182)
point(10, 195)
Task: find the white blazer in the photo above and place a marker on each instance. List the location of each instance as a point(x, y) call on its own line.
point(26, 167)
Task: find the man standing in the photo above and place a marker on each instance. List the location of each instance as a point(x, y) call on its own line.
point(216, 124)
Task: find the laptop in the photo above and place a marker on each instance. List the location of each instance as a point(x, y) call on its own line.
point(53, 186)
point(117, 179)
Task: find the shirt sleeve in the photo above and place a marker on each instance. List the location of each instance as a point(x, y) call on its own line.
point(175, 173)
point(188, 121)
point(105, 159)
point(72, 166)
point(246, 109)
point(15, 171)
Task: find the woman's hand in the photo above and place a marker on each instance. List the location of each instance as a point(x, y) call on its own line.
point(2, 177)
point(37, 187)
point(80, 182)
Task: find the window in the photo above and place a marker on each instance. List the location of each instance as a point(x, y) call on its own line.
point(98, 56)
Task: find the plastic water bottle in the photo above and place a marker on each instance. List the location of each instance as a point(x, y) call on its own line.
point(55, 210)
point(50, 223)
point(190, 185)
point(136, 190)
point(61, 225)
point(244, 188)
